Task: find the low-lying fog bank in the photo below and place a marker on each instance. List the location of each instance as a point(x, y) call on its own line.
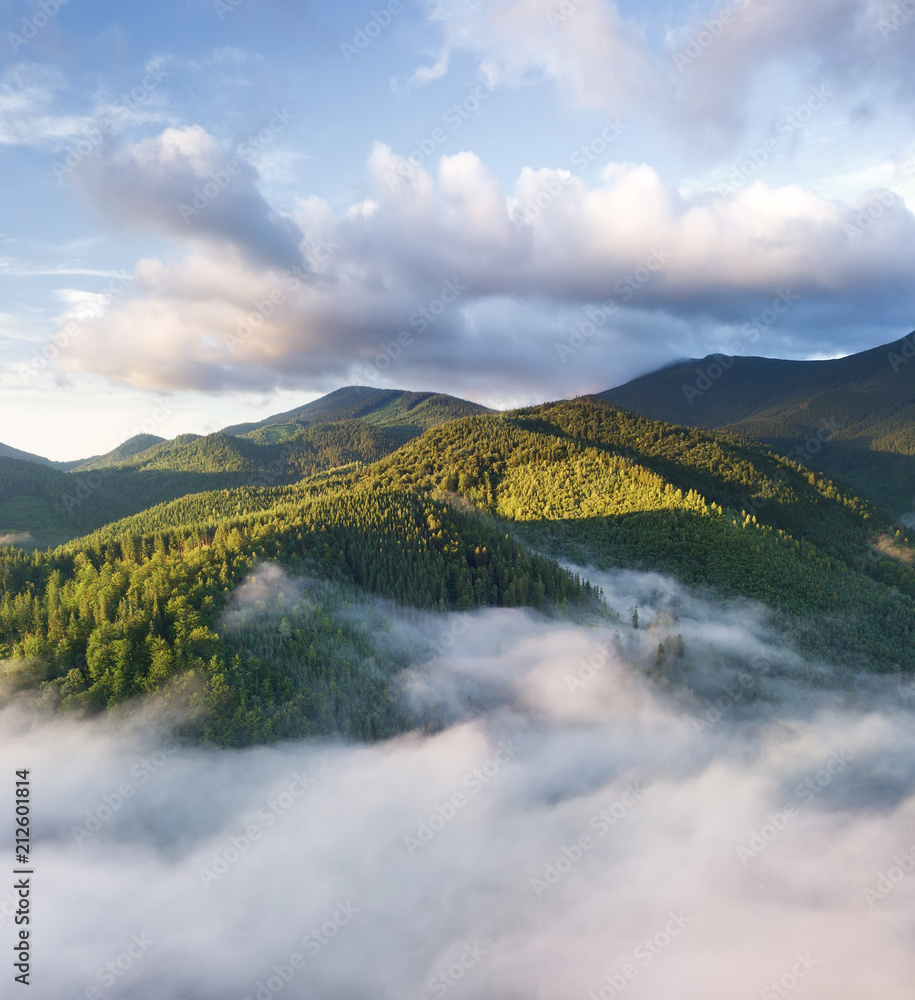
point(597, 818)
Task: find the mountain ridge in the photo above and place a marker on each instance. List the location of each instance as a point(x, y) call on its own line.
point(852, 417)
point(481, 511)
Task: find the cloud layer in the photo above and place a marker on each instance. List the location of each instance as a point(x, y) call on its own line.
point(591, 823)
point(749, 149)
point(481, 282)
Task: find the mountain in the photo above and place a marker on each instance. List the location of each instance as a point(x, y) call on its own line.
point(132, 446)
point(52, 506)
point(23, 456)
point(410, 413)
point(479, 511)
point(852, 417)
point(352, 425)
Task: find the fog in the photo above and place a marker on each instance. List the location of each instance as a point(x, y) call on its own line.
point(590, 819)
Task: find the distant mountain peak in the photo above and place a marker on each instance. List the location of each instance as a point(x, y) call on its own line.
point(382, 407)
point(867, 400)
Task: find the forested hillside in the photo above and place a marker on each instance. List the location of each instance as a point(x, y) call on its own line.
point(450, 520)
point(352, 425)
point(852, 417)
point(593, 483)
point(123, 453)
point(136, 606)
point(54, 506)
point(410, 413)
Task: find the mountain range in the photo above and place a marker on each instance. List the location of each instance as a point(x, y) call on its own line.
point(130, 583)
point(54, 501)
point(852, 417)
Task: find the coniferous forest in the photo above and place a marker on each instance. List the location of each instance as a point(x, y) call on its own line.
point(140, 593)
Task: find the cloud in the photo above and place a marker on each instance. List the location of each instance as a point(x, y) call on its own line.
point(28, 93)
point(858, 48)
point(701, 82)
point(182, 183)
point(480, 283)
point(15, 538)
point(585, 47)
point(583, 825)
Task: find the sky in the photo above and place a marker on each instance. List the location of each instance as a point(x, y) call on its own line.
point(215, 210)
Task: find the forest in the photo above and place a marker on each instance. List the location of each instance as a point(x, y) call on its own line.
point(479, 511)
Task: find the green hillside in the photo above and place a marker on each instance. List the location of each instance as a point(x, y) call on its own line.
point(852, 417)
point(351, 425)
point(453, 519)
point(593, 483)
point(135, 608)
point(410, 413)
point(53, 506)
point(123, 453)
point(23, 456)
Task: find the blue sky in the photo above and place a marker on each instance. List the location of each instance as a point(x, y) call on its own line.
point(214, 210)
